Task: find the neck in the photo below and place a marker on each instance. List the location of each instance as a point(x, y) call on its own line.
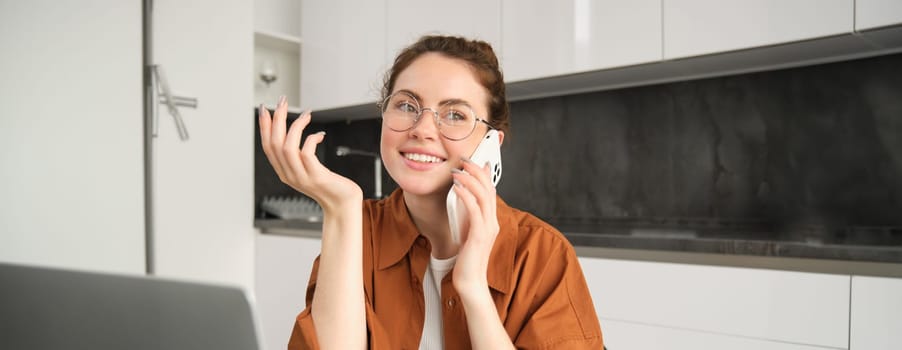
point(430, 216)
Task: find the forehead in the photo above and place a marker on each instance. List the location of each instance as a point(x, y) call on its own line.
point(434, 78)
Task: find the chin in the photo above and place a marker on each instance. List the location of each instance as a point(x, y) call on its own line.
point(424, 188)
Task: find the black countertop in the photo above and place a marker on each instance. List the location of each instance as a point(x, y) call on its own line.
point(809, 243)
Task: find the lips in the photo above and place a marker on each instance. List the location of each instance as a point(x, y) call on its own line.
point(422, 158)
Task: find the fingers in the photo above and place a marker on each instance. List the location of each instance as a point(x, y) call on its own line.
point(266, 139)
point(472, 206)
point(478, 181)
point(476, 184)
point(482, 172)
point(277, 136)
point(290, 149)
point(308, 153)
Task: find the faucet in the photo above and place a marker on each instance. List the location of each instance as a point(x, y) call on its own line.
point(342, 151)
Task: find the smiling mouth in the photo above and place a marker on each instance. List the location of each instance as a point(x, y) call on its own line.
point(422, 158)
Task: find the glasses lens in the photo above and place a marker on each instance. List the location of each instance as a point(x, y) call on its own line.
point(400, 111)
point(457, 120)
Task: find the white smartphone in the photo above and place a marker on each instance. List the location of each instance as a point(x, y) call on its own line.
point(488, 150)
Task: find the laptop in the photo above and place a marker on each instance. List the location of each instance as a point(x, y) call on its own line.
point(44, 308)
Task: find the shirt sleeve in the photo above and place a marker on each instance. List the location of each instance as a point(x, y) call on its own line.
point(564, 316)
point(303, 335)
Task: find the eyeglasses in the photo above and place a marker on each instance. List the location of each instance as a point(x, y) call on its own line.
point(455, 120)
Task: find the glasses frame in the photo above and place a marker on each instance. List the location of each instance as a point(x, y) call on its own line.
point(435, 116)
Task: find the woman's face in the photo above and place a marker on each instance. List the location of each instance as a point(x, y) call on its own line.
point(420, 159)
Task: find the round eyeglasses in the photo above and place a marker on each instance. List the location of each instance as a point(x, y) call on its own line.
point(455, 119)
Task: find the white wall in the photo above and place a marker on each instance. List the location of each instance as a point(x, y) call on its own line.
point(71, 144)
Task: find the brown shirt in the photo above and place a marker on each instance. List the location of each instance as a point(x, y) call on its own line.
point(533, 275)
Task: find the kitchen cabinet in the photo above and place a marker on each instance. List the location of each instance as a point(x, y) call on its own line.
point(698, 27)
point(638, 336)
point(780, 306)
point(876, 314)
point(871, 14)
point(343, 57)
point(278, 16)
point(277, 52)
point(73, 138)
point(542, 38)
point(283, 265)
point(407, 20)
point(71, 135)
point(202, 212)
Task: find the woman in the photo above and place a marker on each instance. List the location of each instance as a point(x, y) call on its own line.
point(514, 281)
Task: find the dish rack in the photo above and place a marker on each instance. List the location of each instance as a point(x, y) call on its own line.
point(292, 208)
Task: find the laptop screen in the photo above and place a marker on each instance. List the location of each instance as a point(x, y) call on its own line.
point(42, 308)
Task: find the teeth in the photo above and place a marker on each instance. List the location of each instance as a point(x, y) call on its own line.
point(416, 157)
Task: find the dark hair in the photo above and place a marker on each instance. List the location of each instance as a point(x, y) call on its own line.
point(478, 54)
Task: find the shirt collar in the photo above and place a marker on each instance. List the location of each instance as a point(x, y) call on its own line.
point(397, 234)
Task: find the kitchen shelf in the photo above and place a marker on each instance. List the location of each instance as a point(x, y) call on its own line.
point(282, 53)
point(279, 41)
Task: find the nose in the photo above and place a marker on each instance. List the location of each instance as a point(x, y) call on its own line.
point(426, 127)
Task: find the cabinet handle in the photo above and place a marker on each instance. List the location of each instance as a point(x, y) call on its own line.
point(162, 94)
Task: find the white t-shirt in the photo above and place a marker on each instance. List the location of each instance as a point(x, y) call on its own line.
point(433, 336)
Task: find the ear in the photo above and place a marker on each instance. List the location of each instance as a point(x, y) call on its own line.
point(500, 137)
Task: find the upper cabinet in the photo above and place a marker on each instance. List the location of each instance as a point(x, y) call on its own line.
point(870, 14)
point(278, 16)
point(542, 38)
point(548, 48)
point(407, 20)
point(343, 54)
point(698, 27)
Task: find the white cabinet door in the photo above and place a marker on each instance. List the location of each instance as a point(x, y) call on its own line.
point(543, 38)
point(71, 135)
point(407, 20)
point(283, 266)
point(278, 16)
point(343, 53)
point(871, 14)
point(203, 187)
point(698, 27)
point(636, 336)
point(795, 307)
point(876, 313)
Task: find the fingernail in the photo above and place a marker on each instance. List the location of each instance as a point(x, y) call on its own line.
point(281, 100)
point(321, 132)
point(261, 110)
point(457, 171)
point(457, 183)
point(486, 165)
point(466, 159)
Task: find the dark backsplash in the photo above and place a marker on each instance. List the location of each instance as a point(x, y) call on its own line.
point(812, 147)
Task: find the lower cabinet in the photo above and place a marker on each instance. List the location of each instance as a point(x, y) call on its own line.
point(876, 315)
point(653, 305)
point(283, 265)
point(634, 336)
point(697, 304)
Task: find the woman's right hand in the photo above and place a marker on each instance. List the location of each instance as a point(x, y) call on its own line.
point(298, 166)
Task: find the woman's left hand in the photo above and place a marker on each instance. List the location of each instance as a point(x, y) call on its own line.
point(474, 187)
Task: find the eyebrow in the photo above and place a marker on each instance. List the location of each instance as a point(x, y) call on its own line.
point(443, 102)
